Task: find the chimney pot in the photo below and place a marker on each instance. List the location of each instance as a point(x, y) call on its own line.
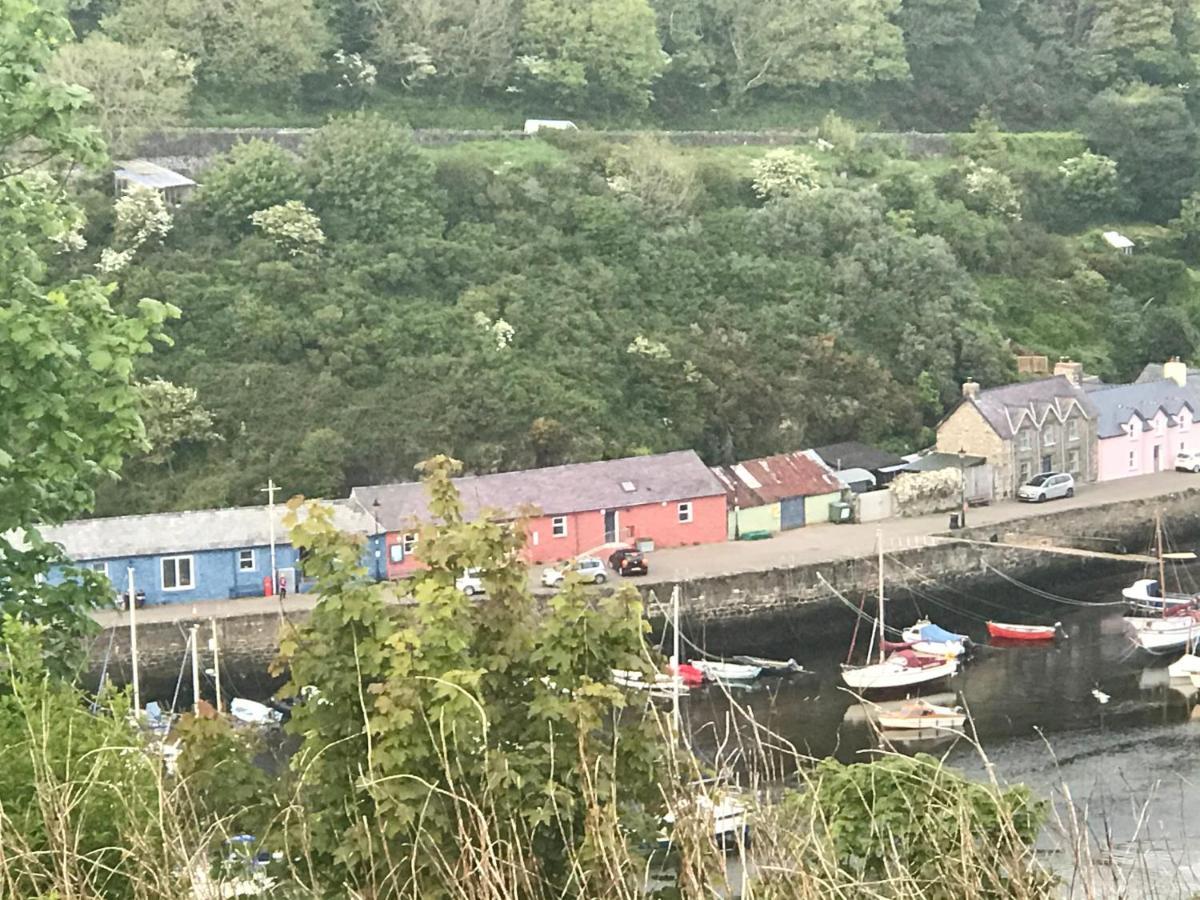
point(970, 388)
point(1072, 370)
point(1175, 370)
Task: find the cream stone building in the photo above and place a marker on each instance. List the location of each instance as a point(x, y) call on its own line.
point(1047, 425)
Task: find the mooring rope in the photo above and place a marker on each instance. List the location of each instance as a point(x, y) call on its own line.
point(1047, 595)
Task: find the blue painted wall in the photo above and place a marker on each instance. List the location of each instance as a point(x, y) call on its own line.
point(215, 573)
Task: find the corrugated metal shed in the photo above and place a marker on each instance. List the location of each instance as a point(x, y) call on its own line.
point(772, 478)
point(144, 173)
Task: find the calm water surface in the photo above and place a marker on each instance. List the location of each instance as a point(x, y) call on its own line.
point(1129, 767)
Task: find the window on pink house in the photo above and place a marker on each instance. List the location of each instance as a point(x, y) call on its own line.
point(685, 512)
point(1132, 462)
point(558, 526)
point(409, 542)
point(396, 553)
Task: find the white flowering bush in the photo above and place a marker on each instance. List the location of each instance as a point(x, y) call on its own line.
point(353, 73)
point(784, 173)
point(292, 226)
point(1089, 180)
point(643, 346)
point(500, 331)
point(918, 493)
point(993, 192)
point(142, 218)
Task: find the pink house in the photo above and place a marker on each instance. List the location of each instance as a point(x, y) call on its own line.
point(1142, 426)
point(669, 500)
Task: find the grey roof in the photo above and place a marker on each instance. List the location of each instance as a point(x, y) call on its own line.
point(856, 455)
point(1009, 407)
point(936, 460)
point(557, 490)
point(1117, 404)
point(150, 175)
point(1154, 372)
point(186, 532)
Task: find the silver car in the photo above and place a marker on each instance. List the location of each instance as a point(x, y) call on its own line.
point(1047, 486)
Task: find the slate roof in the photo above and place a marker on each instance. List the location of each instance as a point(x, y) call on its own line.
point(1117, 404)
point(856, 455)
point(556, 490)
point(1154, 372)
point(1010, 406)
point(150, 175)
point(937, 459)
point(757, 482)
point(186, 532)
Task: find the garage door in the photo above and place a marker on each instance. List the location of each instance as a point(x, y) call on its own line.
point(791, 513)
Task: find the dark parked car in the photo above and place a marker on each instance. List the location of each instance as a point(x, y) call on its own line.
point(627, 561)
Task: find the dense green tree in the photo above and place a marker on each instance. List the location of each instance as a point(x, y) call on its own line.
point(786, 44)
point(590, 52)
point(1135, 39)
point(239, 46)
point(368, 182)
point(1156, 172)
point(68, 408)
point(254, 175)
point(135, 89)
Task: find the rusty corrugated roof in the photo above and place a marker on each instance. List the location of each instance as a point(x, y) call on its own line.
point(768, 479)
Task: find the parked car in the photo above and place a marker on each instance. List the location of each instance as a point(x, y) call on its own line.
point(1187, 461)
point(588, 569)
point(628, 561)
point(470, 583)
point(1047, 486)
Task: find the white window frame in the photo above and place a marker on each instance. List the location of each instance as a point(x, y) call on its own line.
point(242, 567)
point(558, 527)
point(684, 512)
point(1132, 460)
point(191, 561)
point(1135, 429)
point(1049, 436)
point(1160, 424)
point(408, 541)
point(1185, 419)
point(1023, 440)
point(1072, 430)
point(100, 568)
point(1025, 471)
point(1074, 467)
point(396, 553)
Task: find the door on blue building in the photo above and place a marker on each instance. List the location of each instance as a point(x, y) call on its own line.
point(791, 513)
point(610, 526)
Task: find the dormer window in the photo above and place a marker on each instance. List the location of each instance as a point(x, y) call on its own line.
point(1185, 419)
point(1135, 428)
point(1050, 436)
point(1023, 442)
point(1160, 424)
point(1072, 429)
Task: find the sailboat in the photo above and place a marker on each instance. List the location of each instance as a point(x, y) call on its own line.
point(1177, 626)
point(920, 715)
point(904, 668)
point(925, 637)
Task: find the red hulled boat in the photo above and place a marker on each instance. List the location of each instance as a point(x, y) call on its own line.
point(1023, 632)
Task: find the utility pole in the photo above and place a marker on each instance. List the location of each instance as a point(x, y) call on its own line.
point(962, 485)
point(270, 490)
point(216, 652)
point(195, 642)
point(133, 648)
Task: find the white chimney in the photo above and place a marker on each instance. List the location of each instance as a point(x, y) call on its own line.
point(970, 388)
point(1073, 370)
point(1176, 371)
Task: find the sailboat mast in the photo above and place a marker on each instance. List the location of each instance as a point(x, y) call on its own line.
point(675, 676)
point(1162, 566)
point(882, 631)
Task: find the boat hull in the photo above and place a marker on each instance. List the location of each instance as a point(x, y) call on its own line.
point(1022, 632)
point(1163, 635)
point(772, 666)
point(886, 675)
point(722, 671)
point(922, 717)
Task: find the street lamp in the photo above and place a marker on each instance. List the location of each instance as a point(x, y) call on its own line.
point(375, 505)
point(962, 485)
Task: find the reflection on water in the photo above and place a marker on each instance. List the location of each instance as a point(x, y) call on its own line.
point(1130, 764)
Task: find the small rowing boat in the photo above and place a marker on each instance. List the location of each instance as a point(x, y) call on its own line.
point(772, 666)
point(920, 715)
point(1023, 632)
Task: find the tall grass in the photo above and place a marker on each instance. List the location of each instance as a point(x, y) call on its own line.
point(103, 819)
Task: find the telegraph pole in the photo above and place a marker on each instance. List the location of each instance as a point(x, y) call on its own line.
point(133, 647)
point(270, 490)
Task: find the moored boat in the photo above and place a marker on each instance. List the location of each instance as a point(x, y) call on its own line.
point(920, 715)
point(773, 666)
point(723, 672)
point(1184, 667)
point(1011, 632)
point(925, 637)
point(1173, 631)
point(905, 668)
point(1146, 595)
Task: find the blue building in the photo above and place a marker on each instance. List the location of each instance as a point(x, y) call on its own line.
point(209, 554)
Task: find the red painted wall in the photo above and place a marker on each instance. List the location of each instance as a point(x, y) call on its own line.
point(585, 531)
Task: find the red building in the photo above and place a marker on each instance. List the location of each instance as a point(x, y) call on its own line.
point(671, 500)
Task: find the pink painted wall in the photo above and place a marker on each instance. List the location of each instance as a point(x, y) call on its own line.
point(585, 531)
point(1115, 460)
